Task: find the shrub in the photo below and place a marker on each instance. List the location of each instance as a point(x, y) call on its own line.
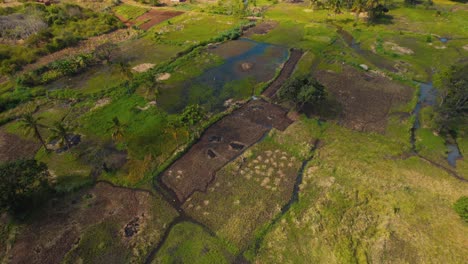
point(461, 207)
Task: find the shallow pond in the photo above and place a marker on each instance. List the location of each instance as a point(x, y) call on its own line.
point(246, 64)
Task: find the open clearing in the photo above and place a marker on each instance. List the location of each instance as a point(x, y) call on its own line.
point(366, 98)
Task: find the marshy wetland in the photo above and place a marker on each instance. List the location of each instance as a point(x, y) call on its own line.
point(233, 132)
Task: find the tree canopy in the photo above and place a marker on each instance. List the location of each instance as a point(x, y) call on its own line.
point(20, 182)
point(302, 90)
point(452, 110)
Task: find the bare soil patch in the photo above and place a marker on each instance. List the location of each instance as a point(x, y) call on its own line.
point(154, 17)
point(144, 67)
point(366, 98)
point(261, 29)
point(13, 147)
point(221, 143)
point(48, 238)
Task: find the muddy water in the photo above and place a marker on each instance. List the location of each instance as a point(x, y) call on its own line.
point(245, 61)
point(453, 154)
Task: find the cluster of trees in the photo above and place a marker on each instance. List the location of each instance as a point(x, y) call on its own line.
point(46, 29)
point(452, 109)
point(373, 8)
point(189, 120)
point(68, 66)
point(23, 184)
point(302, 90)
point(59, 131)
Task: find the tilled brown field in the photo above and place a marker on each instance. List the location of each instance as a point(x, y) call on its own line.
point(221, 143)
point(64, 223)
point(154, 17)
point(366, 98)
point(13, 147)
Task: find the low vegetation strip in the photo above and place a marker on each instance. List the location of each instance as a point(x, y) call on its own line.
point(220, 143)
point(287, 70)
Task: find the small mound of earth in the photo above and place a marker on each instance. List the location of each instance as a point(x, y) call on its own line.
point(398, 49)
point(261, 29)
point(144, 67)
point(246, 66)
point(163, 76)
point(465, 47)
point(101, 103)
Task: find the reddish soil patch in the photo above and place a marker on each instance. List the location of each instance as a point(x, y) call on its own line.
point(261, 29)
point(285, 73)
point(155, 17)
point(366, 98)
point(13, 147)
point(51, 235)
point(220, 143)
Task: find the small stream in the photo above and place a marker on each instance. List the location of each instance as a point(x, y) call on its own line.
point(428, 97)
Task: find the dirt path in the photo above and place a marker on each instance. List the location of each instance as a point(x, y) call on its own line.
point(287, 70)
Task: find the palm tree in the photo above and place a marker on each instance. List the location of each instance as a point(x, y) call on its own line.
point(125, 70)
point(172, 127)
point(30, 124)
point(117, 128)
point(61, 132)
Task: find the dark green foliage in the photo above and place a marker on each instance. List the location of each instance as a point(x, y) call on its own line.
point(302, 90)
point(62, 133)
point(452, 110)
point(461, 207)
point(192, 115)
point(22, 183)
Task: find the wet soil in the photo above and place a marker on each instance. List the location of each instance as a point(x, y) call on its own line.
point(13, 147)
point(59, 226)
point(365, 98)
point(245, 126)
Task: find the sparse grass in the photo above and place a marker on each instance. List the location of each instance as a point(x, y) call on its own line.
point(351, 205)
point(188, 242)
point(129, 12)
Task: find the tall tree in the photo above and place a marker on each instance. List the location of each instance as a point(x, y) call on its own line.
point(117, 129)
point(358, 7)
point(191, 116)
point(302, 90)
point(21, 182)
point(31, 124)
point(61, 132)
point(125, 69)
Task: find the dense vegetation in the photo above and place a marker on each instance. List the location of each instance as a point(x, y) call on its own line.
point(452, 110)
point(302, 90)
point(38, 29)
point(23, 184)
